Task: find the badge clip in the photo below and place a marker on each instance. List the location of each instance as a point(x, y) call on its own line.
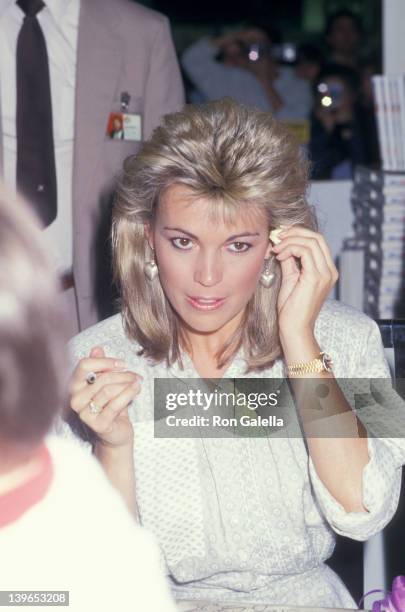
point(125, 100)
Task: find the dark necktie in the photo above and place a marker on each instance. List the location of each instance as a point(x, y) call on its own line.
point(36, 172)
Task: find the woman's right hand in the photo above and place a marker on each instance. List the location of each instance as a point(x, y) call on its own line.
point(112, 392)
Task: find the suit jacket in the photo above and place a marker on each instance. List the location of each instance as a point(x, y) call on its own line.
point(122, 47)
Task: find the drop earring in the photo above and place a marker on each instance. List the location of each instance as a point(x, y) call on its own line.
point(266, 277)
point(150, 269)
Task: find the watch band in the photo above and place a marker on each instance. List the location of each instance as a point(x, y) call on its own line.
point(322, 363)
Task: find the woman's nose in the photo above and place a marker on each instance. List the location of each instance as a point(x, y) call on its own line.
point(208, 269)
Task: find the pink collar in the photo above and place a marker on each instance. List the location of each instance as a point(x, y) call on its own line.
point(15, 503)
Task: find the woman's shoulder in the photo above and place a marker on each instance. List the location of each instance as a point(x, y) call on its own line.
point(108, 334)
point(345, 333)
point(336, 315)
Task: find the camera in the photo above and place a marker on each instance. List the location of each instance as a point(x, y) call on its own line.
point(285, 53)
point(256, 51)
point(331, 95)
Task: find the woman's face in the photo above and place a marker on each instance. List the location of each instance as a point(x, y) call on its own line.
point(208, 270)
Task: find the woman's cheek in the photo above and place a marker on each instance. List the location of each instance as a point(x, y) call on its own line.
point(174, 276)
point(170, 263)
point(245, 274)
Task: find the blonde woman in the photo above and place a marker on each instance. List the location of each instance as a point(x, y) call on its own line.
point(205, 293)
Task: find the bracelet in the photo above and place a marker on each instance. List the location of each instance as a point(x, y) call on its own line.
point(322, 363)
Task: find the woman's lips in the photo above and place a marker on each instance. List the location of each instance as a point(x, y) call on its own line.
point(205, 304)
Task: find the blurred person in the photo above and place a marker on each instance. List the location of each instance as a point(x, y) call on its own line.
point(66, 66)
point(62, 526)
point(241, 65)
point(343, 35)
point(207, 292)
point(309, 64)
point(340, 127)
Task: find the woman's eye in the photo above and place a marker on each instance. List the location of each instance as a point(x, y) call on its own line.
point(240, 247)
point(181, 243)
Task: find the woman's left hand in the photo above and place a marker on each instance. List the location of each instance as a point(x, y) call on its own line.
point(303, 289)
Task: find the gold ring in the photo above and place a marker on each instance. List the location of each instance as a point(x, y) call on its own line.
point(94, 409)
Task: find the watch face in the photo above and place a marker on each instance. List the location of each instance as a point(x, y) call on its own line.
point(327, 362)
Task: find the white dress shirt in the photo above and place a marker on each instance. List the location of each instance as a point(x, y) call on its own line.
point(59, 20)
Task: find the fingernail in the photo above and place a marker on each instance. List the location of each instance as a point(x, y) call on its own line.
point(274, 235)
point(136, 384)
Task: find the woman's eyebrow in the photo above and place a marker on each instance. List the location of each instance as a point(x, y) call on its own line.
point(233, 237)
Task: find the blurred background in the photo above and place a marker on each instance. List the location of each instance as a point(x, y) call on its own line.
point(314, 60)
point(298, 21)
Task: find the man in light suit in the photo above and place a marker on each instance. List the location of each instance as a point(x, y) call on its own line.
point(104, 57)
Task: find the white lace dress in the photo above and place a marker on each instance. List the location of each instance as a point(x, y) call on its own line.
point(248, 519)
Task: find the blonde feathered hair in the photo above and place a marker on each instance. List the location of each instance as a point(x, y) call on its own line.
point(237, 157)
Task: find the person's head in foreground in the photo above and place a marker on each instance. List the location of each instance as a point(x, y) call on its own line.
point(191, 233)
point(32, 337)
point(46, 504)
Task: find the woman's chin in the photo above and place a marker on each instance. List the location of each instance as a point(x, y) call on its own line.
point(201, 326)
point(209, 323)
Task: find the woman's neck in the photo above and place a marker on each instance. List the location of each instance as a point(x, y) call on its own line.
point(204, 345)
point(205, 360)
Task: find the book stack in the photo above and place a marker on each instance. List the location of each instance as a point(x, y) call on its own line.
point(389, 102)
point(378, 201)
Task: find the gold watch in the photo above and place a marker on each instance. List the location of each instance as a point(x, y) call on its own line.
point(322, 363)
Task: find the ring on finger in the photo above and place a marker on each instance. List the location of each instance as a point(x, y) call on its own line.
point(91, 378)
point(94, 409)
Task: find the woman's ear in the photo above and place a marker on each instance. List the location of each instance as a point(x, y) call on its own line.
point(148, 234)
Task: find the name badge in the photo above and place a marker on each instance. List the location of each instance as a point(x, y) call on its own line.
point(125, 126)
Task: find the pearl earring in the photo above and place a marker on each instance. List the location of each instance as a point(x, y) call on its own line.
point(266, 277)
